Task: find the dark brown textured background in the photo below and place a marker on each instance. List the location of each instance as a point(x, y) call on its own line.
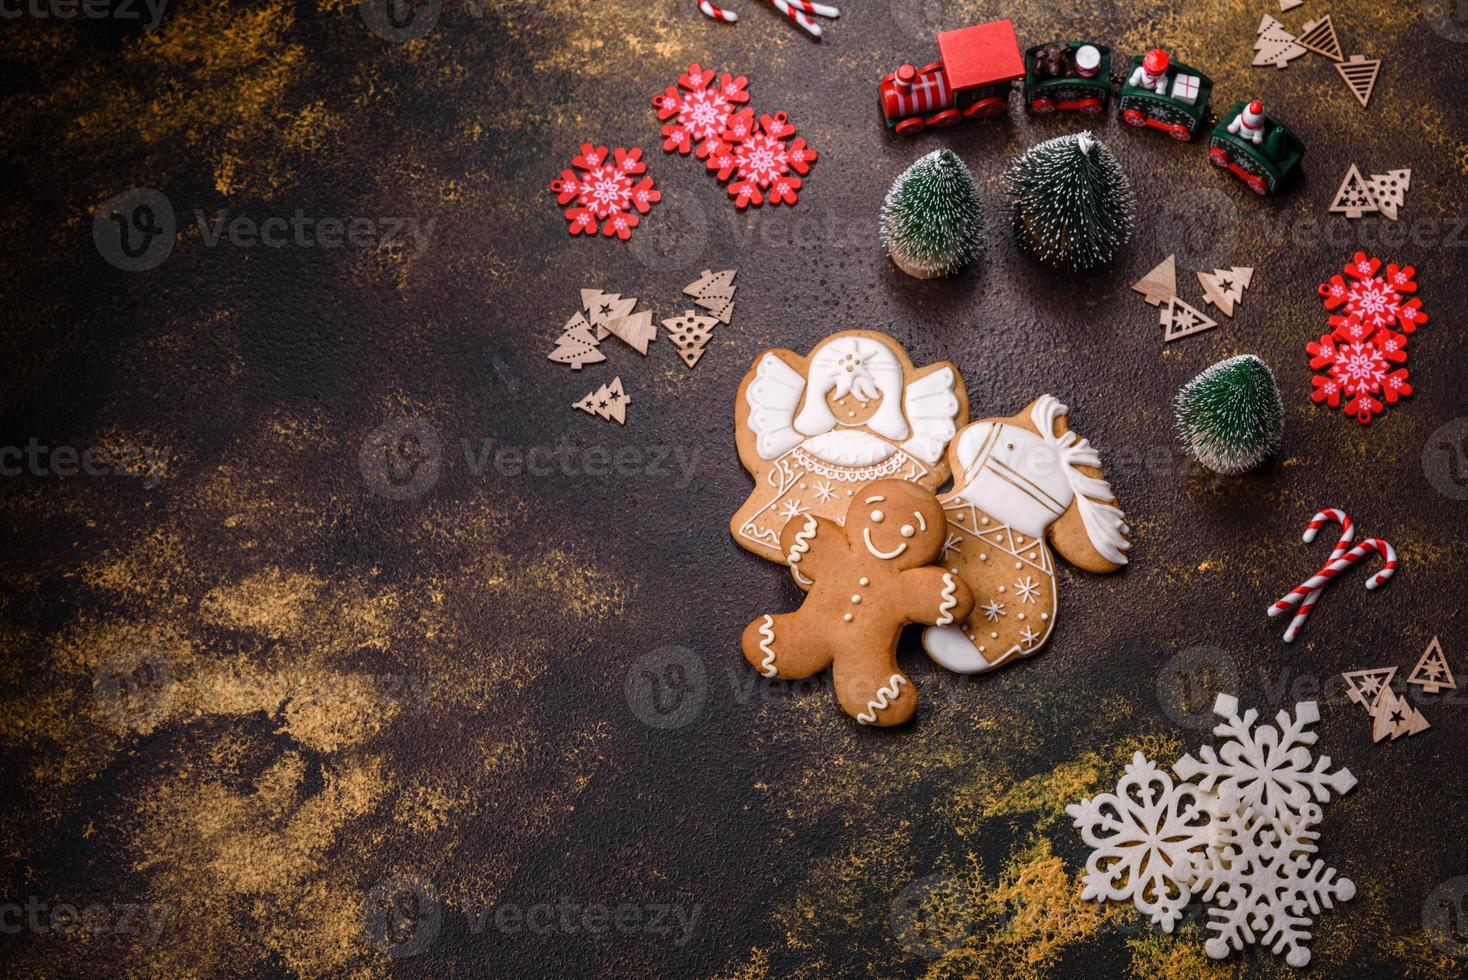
point(314, 729)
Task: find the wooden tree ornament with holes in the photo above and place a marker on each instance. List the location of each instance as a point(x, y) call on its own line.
point(608, 402)
point(1432, 672)
point(1182, 320)
point(1225, 287)
point(1389, 191)
point(1319, 36)
point(577, 346)
point(1275, 45)
point(690, 333)
point(714, 291)
point(1287, 5)
point(1159, 285)
point(1354, 197)
point(1360, 76)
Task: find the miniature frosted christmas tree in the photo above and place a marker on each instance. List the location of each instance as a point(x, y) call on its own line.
point(1072, 203)
point(933, 219)
point(1231, 416)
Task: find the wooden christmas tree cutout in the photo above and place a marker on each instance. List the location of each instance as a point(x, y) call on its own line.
point(1432, 671)
point(714, 291)
point(690, 333)
point(636, 331)
point(1395, 717)
point(608, 402)
point(1159, 285)
point(1389, 190)
point(1275, 45)
point(1360, 76)
point(1182, 320)
point(1285, 5)
point(1319, 36)
point(602, 308)
point(1365, 686)
point(1354, 197)
point(577, 346)
point(1225, 287)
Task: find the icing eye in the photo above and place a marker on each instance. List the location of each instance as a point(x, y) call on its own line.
point(907, 530)
point(1009, 445)
point(878, 517)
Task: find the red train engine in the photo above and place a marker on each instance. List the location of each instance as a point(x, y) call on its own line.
point(971, 79)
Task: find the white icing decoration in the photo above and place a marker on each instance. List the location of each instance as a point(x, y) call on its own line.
point(850, 447)
point(799, 547)
point(860, 366)
point(767, 630)
point(885, 697)
point(922, 521)
point(772, 397)
point(949, 600)
point(866, 535)
point(932, 410)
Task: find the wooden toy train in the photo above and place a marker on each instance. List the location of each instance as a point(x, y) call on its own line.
point(978, 65)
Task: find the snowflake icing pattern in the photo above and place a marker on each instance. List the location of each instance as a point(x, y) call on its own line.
point(702, 109)
point(1359, 360)
point(604, 191)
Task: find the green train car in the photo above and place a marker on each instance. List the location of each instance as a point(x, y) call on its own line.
point(1071, 76)
point(1265, 167)
point(1178, 111)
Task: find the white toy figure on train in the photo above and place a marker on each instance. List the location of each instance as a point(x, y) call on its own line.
point(1249, 123)
point(1152, 72)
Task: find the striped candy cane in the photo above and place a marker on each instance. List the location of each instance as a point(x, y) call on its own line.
point(717, 13)
point(819, 9)
point(800, 18)
point(1348, 532)
point(1335, 567)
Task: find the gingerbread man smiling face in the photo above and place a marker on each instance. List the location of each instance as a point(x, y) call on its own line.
point(866, 580)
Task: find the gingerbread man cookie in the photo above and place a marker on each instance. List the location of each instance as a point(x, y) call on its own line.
point(1021, 484)
point(865, 581)
point(813, 431)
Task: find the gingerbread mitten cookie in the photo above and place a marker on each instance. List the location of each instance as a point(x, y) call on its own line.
point(1021, 484)
point(814, 430)
point(865, 580)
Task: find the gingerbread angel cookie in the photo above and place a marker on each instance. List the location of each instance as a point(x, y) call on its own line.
point(813, 431)
point(866, 579)
point(1021, 484)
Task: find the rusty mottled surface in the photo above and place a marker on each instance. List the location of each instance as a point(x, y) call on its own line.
point(309, 728)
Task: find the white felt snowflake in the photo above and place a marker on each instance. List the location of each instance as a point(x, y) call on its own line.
point(1263, 880)
point(1146, 838)
point(1266, 768)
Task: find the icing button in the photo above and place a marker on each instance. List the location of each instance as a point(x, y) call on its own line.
point(1019, 564)
point(1001, 588)
point(1032, 556)
point(855, 599)
point(1044, 615)
point(863, 581)
point(1021, 615)
point(993, 636)
point(847, 617)
point(907, 530)
point(983, 520)
point(983, 557)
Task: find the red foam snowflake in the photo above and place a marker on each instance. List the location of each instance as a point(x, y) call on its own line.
point(702, 109)
point(755, 156)
point(1359, 370)
point(1379, 301)
point(763, 159)
point(604, 191)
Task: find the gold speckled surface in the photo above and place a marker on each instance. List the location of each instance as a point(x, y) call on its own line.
point(372, 658)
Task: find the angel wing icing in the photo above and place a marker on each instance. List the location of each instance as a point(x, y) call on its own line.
point(772, 397)
point(932, 410)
